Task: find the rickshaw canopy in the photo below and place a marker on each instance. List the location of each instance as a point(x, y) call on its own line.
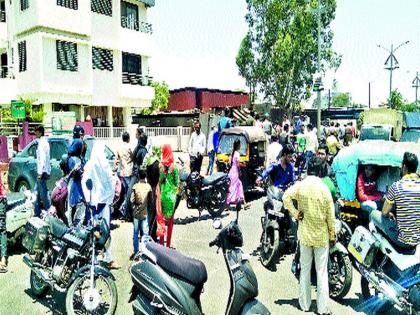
point(252, 134)
point(381, 153)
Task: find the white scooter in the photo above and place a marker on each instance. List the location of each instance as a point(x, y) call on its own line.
point(18, 212)
point(389, 273)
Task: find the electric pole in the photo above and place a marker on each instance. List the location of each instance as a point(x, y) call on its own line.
point(319, 80)
point(391, 63)
point(369, 94)
point(416, 84)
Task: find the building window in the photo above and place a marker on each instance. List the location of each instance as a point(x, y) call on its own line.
point(101, 6)
point(22, 56)
point(24, 4)
point(129, 16)
point(2, 11)
point(131, 69)
point(102, 59)
point(70, 4)
point(66, 56)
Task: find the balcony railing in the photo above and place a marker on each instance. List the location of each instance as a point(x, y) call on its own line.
point(136, 25)
point(2, 16)
point(136, 79)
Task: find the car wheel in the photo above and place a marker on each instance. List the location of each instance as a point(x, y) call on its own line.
point(22, 185)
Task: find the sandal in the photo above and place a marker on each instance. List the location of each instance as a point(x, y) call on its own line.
point(113, 265)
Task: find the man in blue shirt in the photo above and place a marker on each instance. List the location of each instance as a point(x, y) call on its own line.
point(225, 121)
point(282, 174)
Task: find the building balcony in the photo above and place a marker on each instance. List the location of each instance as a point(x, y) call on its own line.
point(136, 25)
point(136, 79)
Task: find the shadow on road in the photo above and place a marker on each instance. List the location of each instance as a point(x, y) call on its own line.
point(55, 302)
point(192, 219)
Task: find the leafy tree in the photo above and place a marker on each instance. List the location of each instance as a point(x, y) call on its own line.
point(278, 56)
point(161, 100)
point(396, 100)
point(341, 100)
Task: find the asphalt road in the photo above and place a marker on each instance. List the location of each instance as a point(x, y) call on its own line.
point(277, 290)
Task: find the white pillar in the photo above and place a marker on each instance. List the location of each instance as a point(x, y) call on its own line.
point(110, 121)
point(82, 113)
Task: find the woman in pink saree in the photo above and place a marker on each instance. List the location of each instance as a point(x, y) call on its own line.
point(236, 190)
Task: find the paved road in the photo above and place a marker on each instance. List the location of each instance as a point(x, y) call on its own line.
point(277, 290)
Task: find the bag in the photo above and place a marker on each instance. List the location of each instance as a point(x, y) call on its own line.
point(59, 197)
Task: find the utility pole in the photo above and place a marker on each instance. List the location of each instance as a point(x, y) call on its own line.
point(391, 62)
point(416, 84)
point(369, 94)
point(318, 116)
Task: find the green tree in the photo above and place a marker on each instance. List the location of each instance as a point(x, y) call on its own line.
point(161, 100)
point(341, 100)
point(246, 66)
point(280, 49)
point(396, 100)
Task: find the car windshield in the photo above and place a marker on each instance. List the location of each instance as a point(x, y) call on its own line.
point(410, 136)
point(226, 144)
point(89, 142)
point(375, 133)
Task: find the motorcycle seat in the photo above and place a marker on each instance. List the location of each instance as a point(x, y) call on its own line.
point(209, 180)
point(57, 227)
point(172, 261)
point(405, 250)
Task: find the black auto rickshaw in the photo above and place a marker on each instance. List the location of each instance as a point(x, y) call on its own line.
point(253, 153)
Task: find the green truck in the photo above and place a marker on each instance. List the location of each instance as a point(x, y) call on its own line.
point(382, 124)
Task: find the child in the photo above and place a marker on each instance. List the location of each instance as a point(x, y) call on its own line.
point(140, 199)
point(3, 233)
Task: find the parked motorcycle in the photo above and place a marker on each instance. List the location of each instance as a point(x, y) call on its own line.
point(65, 259)
point(389, 273)
point(279, 234)
point(167, 282)
point(340, 270)
point(18, 213)
point(203, 193)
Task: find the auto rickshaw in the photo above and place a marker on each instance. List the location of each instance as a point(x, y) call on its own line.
point(385, 155)
point(253, 153)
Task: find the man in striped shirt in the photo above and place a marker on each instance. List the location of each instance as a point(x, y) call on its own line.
point(403, 227)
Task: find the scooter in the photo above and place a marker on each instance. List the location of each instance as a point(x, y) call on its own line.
point(167, 282)
point(18, 212)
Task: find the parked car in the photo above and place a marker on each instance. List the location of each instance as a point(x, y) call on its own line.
point(22, 169)
point(376, 132)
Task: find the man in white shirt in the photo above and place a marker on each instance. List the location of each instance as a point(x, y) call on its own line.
point(196, 148)
point(311, 143)
point(43, 171)
point(274, 150)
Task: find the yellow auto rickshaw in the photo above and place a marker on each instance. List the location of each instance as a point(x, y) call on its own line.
point(253, 153)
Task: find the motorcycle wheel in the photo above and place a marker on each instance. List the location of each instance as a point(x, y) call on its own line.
point(370, 293)
point(104, 287)
point(38, 287)
point(269, 250)
point(217, 203)
point(340, 281)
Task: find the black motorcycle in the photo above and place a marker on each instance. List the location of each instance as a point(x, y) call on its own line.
point(203, 193)
point(65, 259)
point(279, 230)
point(340, 271)
point(167, 282)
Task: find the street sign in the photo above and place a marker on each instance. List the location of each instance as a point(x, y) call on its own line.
point(17, 109)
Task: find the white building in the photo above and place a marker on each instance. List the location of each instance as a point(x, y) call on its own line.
point(86, 56)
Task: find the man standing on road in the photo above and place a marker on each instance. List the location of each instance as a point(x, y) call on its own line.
point(196, 148)
point(311, 143)
point(212, 148)
point(403, 226)
point(124, 161)
point(316, 231)
point(43, 171)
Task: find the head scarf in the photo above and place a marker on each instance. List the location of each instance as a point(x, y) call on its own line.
point(153, 156)
point(99, 171)
point(167, 155)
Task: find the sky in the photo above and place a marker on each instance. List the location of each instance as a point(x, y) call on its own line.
point(196, 42)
